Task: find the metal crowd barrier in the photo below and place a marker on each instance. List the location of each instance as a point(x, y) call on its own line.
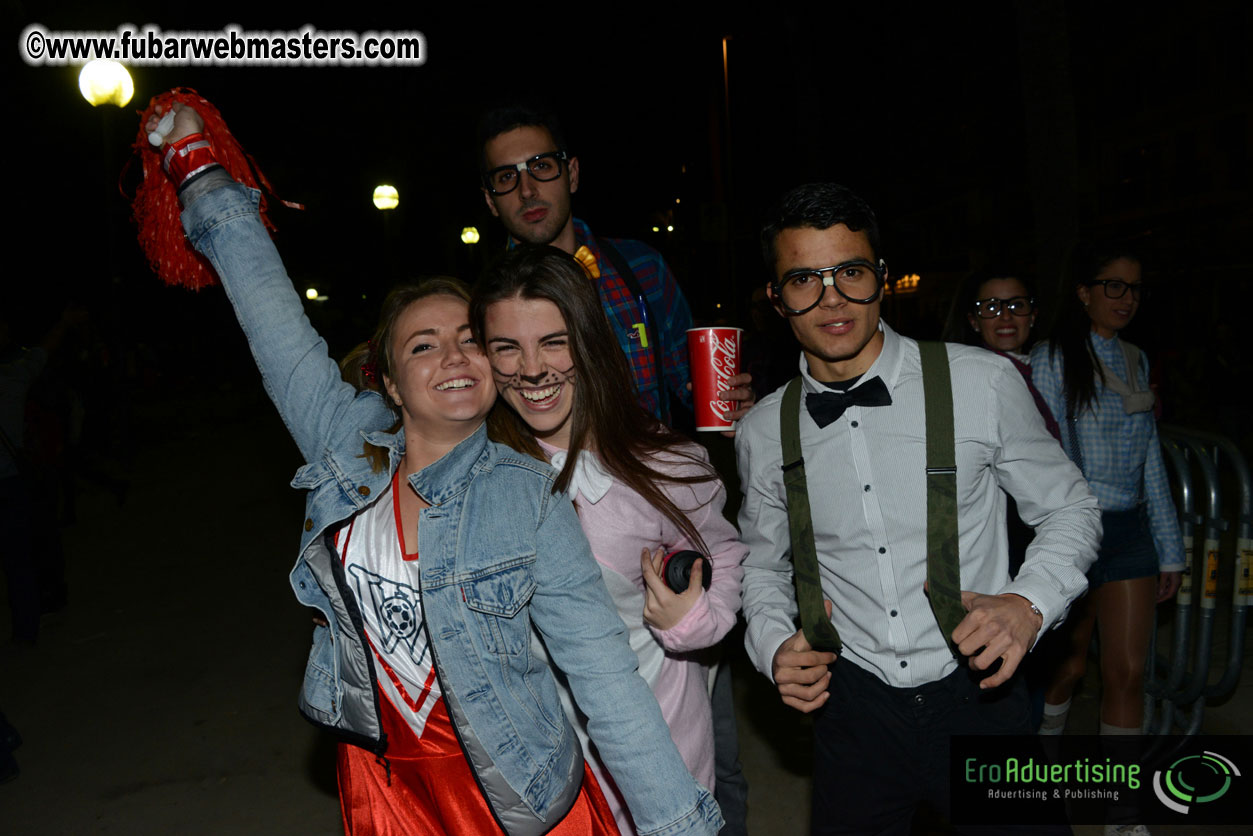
point(1177, 686)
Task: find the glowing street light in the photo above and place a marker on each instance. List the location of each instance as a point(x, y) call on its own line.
point(104, 81)
point(386, 197)
point(311, 293)
point(470, 235)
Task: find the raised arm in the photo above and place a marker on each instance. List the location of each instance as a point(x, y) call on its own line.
point(221, 221)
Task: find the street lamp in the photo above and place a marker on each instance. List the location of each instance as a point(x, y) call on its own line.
point(470, 235)
point(386, 197)
point(104, 81)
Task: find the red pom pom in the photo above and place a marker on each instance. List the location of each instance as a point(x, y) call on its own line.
point(155, 205)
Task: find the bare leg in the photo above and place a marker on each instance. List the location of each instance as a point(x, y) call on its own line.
point(1077, 636)
point(1125, 612)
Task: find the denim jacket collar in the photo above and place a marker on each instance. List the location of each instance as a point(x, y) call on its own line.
point(451, 474)
point(393, 443)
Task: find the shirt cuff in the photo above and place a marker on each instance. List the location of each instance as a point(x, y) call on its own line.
point(763, 643)
point(1052, 606)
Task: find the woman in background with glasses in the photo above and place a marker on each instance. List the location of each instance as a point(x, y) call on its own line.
point(997, 309)
point(1097, 387)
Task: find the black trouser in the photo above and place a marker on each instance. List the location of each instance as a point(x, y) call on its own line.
point(879, 751)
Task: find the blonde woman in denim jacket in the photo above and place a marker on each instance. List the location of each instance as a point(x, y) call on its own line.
point(500, 554)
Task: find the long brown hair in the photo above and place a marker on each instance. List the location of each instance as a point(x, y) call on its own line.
point(1071, 333)
point(626, 436)
point(367, 364)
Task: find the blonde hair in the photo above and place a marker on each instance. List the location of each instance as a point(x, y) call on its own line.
point(367, 364)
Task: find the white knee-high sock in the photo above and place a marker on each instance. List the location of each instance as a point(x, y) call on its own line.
point(1054, 721)
point(1106, 728)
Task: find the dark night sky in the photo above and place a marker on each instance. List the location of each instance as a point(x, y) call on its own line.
point(879, 101)
point(918, 107)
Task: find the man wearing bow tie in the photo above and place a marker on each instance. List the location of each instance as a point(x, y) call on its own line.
point(899, 688)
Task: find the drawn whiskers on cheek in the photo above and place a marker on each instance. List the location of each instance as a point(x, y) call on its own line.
point(507, 381)
point(517, 380)
point(562, 377)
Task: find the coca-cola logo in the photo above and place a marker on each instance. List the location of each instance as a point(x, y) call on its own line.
point(722, 357)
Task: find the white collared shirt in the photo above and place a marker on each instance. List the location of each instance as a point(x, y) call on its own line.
point(866, 474)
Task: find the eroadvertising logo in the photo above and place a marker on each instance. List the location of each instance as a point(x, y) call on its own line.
point(1088, 779)
point(1194, 780)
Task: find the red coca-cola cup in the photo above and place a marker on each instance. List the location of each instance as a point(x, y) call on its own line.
point(714, 354)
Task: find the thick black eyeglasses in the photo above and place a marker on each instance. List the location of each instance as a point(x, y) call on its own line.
point(992, 307)
point(1117, 288)
point(543, 167)
point(859, 281)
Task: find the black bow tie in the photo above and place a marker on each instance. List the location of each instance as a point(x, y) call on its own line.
point(826, 407)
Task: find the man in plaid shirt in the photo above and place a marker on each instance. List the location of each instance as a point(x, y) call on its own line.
point(527, 180)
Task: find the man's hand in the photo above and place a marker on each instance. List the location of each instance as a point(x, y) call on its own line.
point(663, 607)
point(1168, 585)
point(1003, 626)
point(801, 672)
point(740, 394)
point(186, 122)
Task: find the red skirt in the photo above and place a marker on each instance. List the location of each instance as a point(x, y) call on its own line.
point(432, 789)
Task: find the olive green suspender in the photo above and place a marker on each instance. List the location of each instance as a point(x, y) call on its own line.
point(943, 563)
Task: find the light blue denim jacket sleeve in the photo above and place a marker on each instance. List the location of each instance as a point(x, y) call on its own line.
point(569, 605)
point(320, 410)
point(587, 640)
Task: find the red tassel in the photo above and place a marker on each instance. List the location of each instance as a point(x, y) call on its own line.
point(155, 205)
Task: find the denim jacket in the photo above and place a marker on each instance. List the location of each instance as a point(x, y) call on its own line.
point(501, 554)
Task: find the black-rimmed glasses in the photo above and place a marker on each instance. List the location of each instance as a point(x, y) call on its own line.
point(859, 281)
point(992, 307)
point(1117, 288)
point(543, 167)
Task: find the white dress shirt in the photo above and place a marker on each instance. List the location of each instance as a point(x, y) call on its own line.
point(868, 497)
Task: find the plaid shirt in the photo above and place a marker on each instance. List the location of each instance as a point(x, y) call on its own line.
point(624, 311)
point(1122, 458)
